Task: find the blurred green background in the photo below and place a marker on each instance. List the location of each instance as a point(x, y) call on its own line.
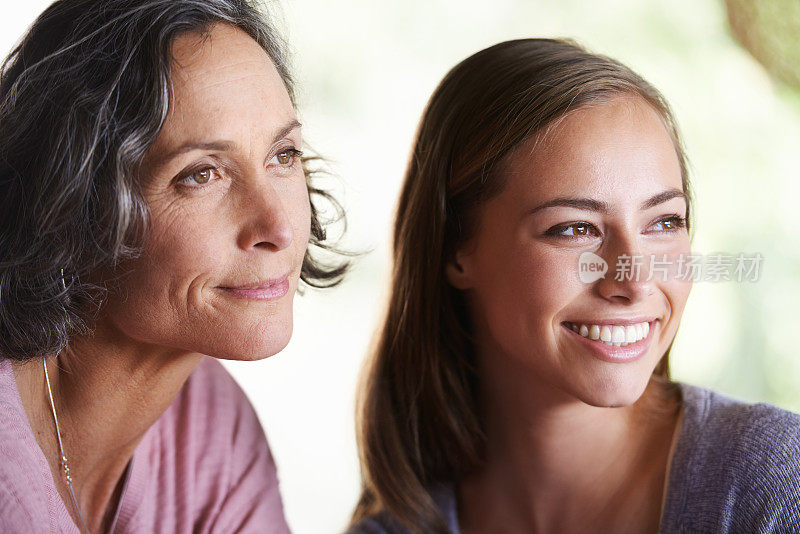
point(365, 70)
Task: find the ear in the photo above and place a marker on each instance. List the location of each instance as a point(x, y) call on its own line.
point(458, 272)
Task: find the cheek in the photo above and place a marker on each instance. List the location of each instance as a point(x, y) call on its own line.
point(189, 244)
point(669, 265)
point(184, 245)
point(300, 215)
point(523, 286)
point(162, 289)
point(673, 256)
point(677, 293)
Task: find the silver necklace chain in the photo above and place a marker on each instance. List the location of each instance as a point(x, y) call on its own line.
point(63, 460)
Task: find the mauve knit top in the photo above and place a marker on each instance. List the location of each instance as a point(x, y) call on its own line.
point(203, 467)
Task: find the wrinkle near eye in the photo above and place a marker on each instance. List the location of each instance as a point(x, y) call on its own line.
point(170, 209)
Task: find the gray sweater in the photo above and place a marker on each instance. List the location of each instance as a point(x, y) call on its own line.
point(735, 469)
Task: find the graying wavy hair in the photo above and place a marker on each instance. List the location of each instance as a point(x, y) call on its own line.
point(82, 97)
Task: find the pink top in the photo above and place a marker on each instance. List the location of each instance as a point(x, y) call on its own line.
point(204, 466)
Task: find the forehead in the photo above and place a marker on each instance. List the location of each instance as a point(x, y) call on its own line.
point(619, 146)
point(223, 80)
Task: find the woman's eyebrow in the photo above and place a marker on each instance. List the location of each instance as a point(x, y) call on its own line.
point(664, 196)
point(223, 145)
point(199, 145)
point(586, 204)
point(589, 204)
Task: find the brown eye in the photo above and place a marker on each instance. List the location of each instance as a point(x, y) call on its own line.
point(201, 177)
point(670, 224)
point(285, 158)
point(578, 229)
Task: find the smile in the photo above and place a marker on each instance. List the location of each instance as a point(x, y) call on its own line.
point(613, 343)
point(263, 290)
point(610, 334)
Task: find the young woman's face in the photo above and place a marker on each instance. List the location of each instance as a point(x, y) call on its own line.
point(229, 208)
point(607, 181)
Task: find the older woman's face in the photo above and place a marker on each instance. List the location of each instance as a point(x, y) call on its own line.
point(229, 208)
point(605, 181)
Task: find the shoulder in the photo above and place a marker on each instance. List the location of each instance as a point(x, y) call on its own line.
point(760, 439)
point(736, 463)
point(380, 523)
point(215, 428)
point(23, 497)
point(443, 496)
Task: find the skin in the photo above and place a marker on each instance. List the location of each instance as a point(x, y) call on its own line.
point(575, 444)
point(231, 213)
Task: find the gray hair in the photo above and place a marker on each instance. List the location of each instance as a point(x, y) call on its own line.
point(82, 97)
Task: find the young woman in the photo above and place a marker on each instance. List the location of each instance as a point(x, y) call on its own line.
point(154, 216)
point(509, 392)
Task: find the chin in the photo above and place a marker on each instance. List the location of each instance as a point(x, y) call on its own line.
point(614, 389)
point(251, 342)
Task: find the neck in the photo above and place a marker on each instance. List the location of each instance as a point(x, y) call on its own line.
point(555, 463)
point(108, 391)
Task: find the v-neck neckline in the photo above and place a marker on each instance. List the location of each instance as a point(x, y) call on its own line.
point(135, 472)
point(445, 495)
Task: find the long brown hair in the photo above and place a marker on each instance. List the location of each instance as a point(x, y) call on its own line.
point(418, 419)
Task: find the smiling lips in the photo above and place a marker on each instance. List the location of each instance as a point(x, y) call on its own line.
point(610, 334)
point(616, 343)
point(270, 289)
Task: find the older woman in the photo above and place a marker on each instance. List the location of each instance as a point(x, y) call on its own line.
point(509, 392)
point(154, 208)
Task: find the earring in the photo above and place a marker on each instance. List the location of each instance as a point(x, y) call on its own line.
point(67, 300)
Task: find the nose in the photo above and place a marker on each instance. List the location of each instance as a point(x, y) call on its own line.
point(628, 270)
point(266, 221)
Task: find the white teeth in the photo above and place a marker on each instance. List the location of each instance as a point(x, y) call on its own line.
point(630, 334)
point(618, 334)
point(605, 334)
point(613, 335)
point(594, 332)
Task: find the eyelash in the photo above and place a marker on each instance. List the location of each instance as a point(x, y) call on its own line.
point(187, 179)
point(557, 231)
